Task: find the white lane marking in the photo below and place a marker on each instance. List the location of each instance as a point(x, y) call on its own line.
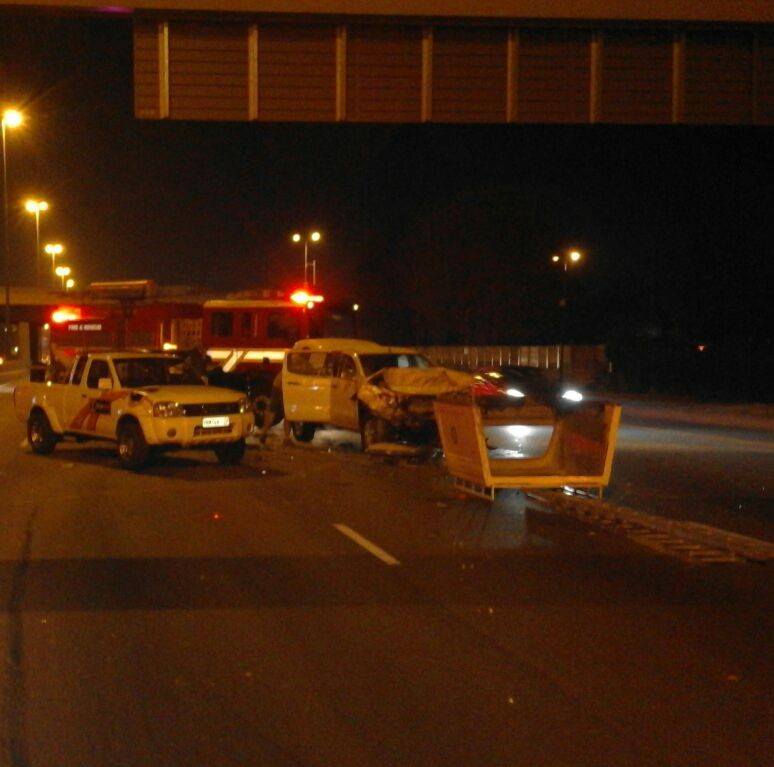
point(372, 548)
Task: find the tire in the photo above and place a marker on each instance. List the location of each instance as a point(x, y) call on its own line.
point(230, 453)
point(133, 451)
point(373, 430)
point(40, 435)
point(300, 431)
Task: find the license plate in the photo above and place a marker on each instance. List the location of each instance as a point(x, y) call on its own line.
point(214, 421)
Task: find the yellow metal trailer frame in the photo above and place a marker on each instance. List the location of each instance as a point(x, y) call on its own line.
point(579, 455)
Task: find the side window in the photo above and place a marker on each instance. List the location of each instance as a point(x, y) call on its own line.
point(332, 362)
point(247, 324)
point(283, 325)
point(222, 324)
point(98, 369)
point(306, 363)
point(347, 369)
point(78, 370)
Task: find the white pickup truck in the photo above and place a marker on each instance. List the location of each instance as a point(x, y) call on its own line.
point(143, 402)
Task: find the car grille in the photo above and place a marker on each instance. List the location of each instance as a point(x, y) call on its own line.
point(212, 408)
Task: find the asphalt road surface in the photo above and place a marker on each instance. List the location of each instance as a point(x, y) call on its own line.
point(322, 607)
point(716, 475)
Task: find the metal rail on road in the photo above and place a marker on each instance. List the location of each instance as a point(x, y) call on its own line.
point(688, 541)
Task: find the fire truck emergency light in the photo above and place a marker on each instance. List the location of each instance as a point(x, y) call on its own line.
point(66, 314)
point(301, 297)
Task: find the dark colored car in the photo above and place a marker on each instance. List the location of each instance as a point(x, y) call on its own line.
point(511, 385)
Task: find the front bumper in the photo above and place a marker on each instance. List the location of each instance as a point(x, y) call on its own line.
point(189, 432)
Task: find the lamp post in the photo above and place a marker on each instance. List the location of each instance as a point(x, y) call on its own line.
point(63, 272)
point(53, 249)
point(36, 207)
point(311, 237)
point(565, 259)
point(11, 119)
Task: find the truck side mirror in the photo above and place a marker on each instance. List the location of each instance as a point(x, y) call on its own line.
point(105, 384)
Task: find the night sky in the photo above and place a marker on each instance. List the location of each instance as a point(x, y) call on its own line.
point(444, 234)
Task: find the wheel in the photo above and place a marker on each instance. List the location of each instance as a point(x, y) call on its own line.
point(373, 430)
point(133, 451)
point(300, 431)
point(230, 453)
point(40, 435)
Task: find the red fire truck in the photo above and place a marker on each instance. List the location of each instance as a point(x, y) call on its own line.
point(240, 333)
point(133, 314)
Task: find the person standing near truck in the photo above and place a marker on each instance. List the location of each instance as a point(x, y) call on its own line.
point(274, 412)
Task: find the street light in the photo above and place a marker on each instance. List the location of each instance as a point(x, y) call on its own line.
point(12, 118)
point(70, 283)
point(565, 259)
point(36, 207)
point(54, 249)
point(314, 236)
point(62, 272)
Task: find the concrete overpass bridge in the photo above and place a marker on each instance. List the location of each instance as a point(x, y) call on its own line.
point(450, 61)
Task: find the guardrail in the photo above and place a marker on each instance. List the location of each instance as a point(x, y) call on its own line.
point(583, 363)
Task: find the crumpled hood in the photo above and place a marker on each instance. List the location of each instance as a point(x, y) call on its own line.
point(399, 393)
point(429, 382)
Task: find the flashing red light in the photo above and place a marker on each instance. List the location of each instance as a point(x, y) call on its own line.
point(304, 298)
point(66, 314)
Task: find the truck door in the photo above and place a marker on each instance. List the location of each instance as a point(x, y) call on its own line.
point(74, 396)
point(91, 410)
point(306, 387)
point(344, 405)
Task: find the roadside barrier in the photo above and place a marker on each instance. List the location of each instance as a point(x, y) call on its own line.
point(579, 454)
point(691, 542)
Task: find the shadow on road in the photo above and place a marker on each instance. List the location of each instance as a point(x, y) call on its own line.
point(193, 467)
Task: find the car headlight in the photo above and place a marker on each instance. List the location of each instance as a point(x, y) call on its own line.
point(244, 405)
point(573, 395)
point(514, 393)
point(167, 409)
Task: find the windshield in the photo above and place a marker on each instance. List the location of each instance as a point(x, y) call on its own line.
point(134, 372)
point(374, 362)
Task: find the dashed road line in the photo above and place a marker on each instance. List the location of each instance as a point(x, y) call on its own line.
point(370, 547)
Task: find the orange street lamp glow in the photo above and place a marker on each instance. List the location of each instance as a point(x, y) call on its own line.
point(12, 118)
point(62, 272)
point(314, 236)
point(575, 255)
point(555, 259)
point(35, 206)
